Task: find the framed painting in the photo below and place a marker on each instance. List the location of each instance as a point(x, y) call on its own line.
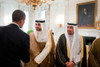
point(86, 15)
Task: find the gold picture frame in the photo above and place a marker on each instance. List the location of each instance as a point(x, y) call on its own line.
point(86, 15)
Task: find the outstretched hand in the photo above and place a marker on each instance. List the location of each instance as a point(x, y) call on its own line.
point(69, 64)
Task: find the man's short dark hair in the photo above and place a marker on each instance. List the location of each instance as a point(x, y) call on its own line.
point(18, 15)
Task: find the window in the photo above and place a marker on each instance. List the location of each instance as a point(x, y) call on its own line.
point(26, 24)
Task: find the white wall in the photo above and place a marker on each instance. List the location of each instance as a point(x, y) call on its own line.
point(68, 9)
point(72, 16)
point(57, 15)
point(1, 15)
point(7, 8)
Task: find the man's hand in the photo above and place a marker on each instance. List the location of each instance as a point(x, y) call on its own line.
point(34, 61)
point(69, 64)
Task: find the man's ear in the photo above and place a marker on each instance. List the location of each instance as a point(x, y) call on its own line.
point(21, 21)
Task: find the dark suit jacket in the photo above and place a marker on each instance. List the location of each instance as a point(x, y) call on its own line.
point(14, 46)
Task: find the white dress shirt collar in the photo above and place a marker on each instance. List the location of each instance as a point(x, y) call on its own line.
point(15, 24)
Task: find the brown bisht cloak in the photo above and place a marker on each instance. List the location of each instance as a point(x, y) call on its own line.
point(94, 54)
point(37, 47)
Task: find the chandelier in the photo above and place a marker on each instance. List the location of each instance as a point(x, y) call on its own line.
point(34, 3)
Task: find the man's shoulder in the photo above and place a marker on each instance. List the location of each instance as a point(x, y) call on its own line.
point(23, 33)
point(4, 28)
point(62, 35)
point(1, 27)
point(97, 40)
point(96, 43)
point(1, 31)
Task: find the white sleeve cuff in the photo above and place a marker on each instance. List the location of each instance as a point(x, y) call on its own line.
point(43, 54)
point(37, 60)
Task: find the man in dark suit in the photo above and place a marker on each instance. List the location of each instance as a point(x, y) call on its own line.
point(14, 43)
